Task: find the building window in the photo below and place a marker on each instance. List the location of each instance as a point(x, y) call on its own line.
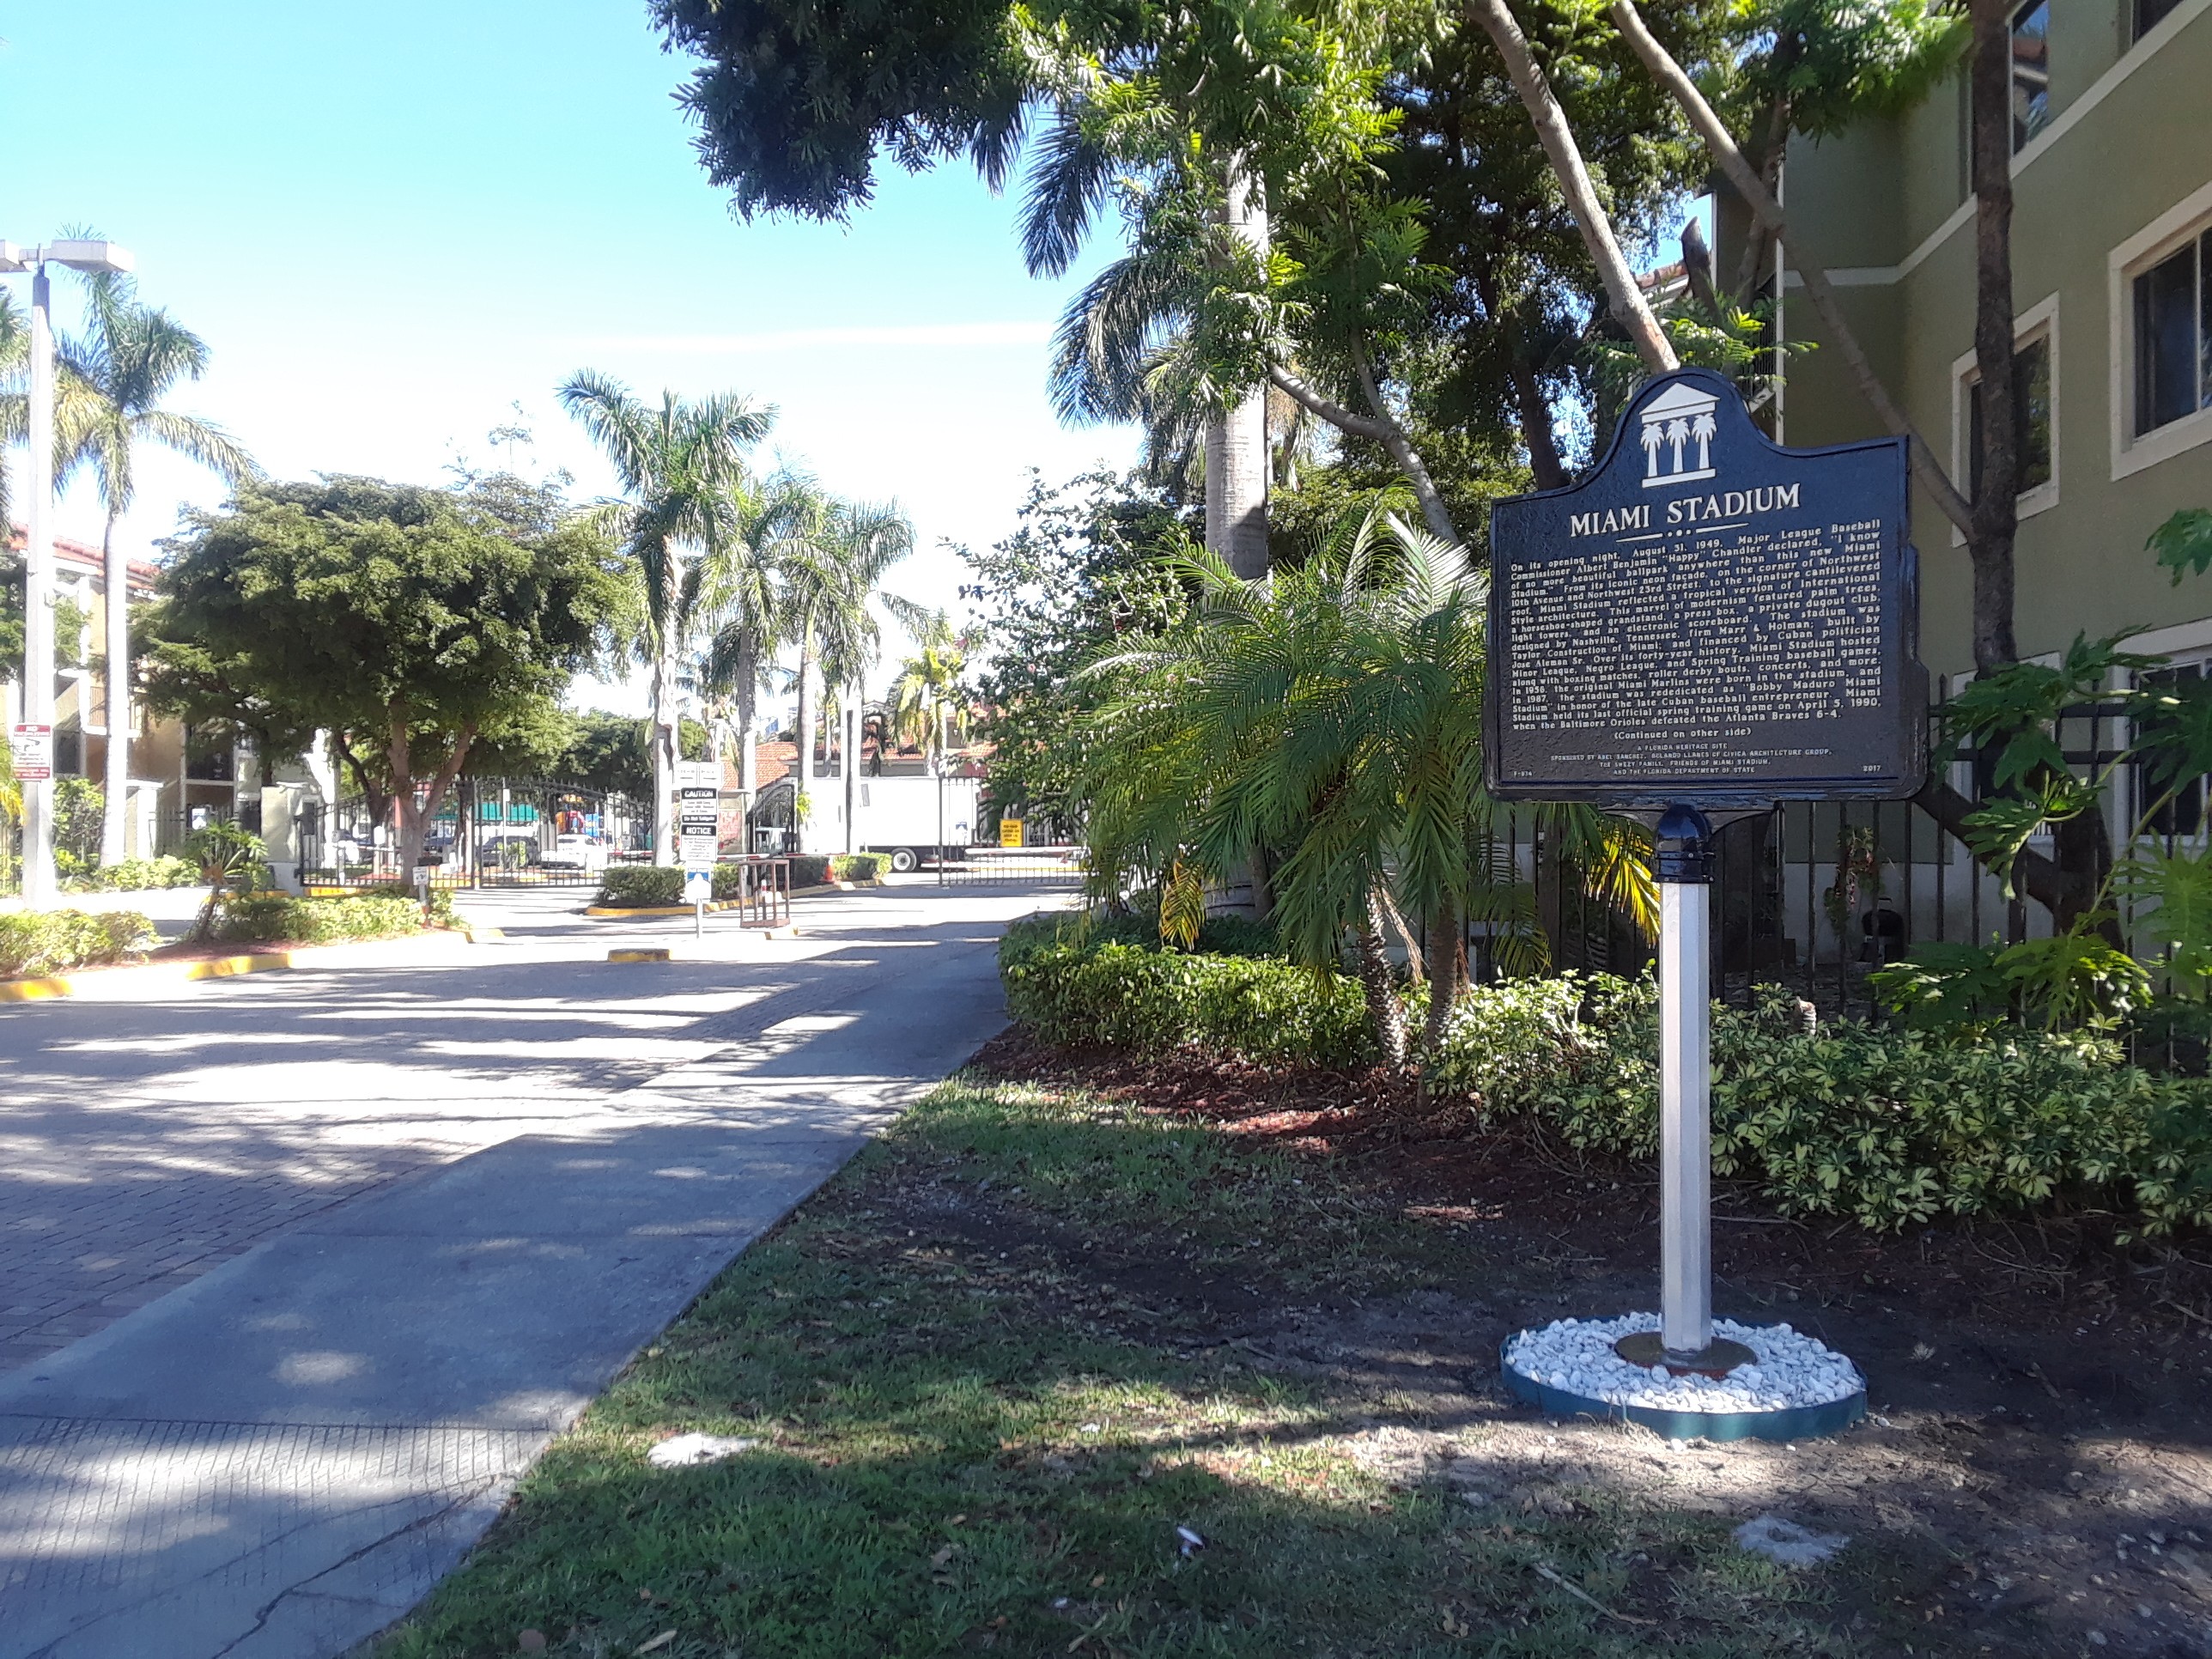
point(209, 758)
point(2149, 14)
point(2184, 815)
point(2031, 72)
point(2174, 335)
point(2032, 405)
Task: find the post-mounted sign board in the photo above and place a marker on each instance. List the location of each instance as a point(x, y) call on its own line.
point(1708, 620)
point(31, 748)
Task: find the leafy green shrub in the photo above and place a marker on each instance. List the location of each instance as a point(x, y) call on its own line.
point(2070, 980)
point(139, 875)
point(268, 918)
point(860, 866)
point(648, 886)
point(34, 942)
point(1084, 991)
point(640, 885)
point(1884, 1127)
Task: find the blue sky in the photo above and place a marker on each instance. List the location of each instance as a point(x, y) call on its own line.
point(392, 223)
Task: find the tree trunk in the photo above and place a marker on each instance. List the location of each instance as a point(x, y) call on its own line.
point(848, 763)
point(748, 730)
point(1543, 445)
point(1818, 289)
point(1384, 1012)
point(804, 772)
point(1238, 462)
point(667, 712)
point(114, 819)
point(1384, 431)
point(1441, 950)
point(1996, 507)
point(413, 821)
point(1625, 299)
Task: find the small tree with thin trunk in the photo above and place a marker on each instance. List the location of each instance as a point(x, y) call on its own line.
point(414, 620)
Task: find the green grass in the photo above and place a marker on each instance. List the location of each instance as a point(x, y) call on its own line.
point(981, 1427)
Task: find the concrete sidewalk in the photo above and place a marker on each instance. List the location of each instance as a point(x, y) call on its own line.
point(282, 1456)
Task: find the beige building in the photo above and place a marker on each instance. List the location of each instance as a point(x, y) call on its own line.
point(178, 783)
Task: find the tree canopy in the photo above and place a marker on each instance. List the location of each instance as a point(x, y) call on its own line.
point(414, 621)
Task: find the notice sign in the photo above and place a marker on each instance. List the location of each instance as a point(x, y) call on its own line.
point(1709, 619)
point(1010, 832)
point(698, 814)
point(31, 748)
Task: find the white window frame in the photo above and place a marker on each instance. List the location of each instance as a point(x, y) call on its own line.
point(2039, 318)
point(2186, 220)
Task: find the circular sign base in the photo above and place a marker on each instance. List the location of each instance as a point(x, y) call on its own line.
point(1643, 1350)
point(1718, 1421)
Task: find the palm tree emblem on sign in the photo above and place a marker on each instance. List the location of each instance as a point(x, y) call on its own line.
point(1679, 418)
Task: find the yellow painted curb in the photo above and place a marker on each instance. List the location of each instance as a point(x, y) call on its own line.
point(483, 935)
point(639, 954)
point(66, 985)
point(166, 973)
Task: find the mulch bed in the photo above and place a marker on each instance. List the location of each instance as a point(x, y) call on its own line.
point(2041, 1396)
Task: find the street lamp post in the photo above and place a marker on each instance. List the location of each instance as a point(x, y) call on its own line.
point(78, 253)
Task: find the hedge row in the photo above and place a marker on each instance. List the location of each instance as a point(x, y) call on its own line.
point(1088, 990)
point(270, 917)
point(138, 875)
point(645, 885)
point(1883, 1128)
point(36, 942)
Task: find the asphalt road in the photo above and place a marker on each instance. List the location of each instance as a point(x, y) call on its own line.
point(299, 1272)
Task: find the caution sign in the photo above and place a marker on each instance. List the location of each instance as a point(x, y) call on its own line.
point(32, 749)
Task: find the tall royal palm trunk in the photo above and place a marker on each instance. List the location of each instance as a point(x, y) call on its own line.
point(667, 716)
point(803, 767)
point(848, 763)
point(749, 729)
point(114, 823)
point(1236, 461)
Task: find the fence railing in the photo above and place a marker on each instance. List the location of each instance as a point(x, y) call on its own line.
point(982, 865)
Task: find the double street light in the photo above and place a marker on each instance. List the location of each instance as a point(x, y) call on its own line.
point(78, 253)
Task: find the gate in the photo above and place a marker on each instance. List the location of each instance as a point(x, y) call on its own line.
point(489, 832)
point(1056, 866)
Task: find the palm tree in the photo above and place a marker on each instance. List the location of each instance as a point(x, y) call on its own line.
point(747, 600)
point(131, 358)
point(1333, 715)
point(925, 699)
point(681, 466)
point(831, 573)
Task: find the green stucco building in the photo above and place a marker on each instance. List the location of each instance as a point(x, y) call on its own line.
point(2112, 282)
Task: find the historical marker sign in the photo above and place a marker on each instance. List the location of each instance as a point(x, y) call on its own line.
point(1709, 620)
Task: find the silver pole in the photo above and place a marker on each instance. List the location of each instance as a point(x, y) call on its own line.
point(1685, 1140)
point(39, 891)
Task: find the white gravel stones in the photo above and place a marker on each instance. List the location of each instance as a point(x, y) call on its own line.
point(1792, 1369)
point(1787, 1543)
point(684, 1449)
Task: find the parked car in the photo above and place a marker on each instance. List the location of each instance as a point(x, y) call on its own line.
point(586, 853)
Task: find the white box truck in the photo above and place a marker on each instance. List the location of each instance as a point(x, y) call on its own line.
point(900, 817)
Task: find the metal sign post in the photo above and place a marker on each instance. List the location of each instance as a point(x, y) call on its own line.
point(698, 831)
point(1684, 869)
point(1704, 625)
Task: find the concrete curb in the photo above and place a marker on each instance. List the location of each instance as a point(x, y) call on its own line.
point(119, 984)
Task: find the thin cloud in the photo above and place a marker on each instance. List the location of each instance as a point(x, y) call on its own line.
point(923, 335)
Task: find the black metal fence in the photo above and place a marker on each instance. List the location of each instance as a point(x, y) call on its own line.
point(981, 866)
point(490, 832)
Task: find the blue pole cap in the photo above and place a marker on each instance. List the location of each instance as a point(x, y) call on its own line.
point(1685, 849)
